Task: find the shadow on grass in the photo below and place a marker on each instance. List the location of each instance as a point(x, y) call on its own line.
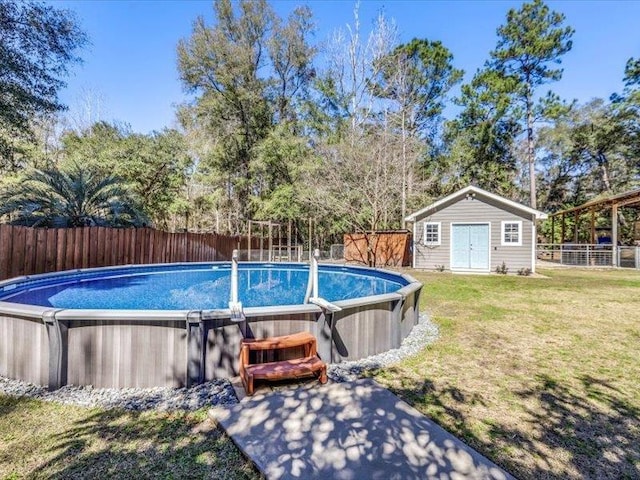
point(595, 426)
point(588, 431)
point(122, 444)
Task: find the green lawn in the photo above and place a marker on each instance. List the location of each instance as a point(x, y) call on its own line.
point(47, 440)
point(542, 375)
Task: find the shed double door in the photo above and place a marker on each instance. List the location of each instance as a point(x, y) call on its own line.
point(470, 247)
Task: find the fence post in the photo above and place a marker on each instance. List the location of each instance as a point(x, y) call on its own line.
point(561, 255)
point(637, 257)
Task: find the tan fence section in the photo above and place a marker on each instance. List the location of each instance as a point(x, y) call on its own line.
point(28, 251)
point(380, 249)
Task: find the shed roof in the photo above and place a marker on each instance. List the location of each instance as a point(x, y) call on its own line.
point(477, 190)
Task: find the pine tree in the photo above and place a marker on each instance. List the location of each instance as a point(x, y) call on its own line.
point(529, 44)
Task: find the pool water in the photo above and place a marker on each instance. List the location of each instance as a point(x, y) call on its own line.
point(201, 287)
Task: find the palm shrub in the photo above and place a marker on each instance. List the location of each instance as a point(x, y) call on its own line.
point(73, 197)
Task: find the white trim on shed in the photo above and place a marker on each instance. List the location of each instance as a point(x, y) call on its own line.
point(471, 190)
point(425, 234)
point(471, 270)
point(510, 239)
point(503, 241)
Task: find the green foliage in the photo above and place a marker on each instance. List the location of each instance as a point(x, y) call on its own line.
point(480, 139)
point(354, 142)
point(532, 40)
point(327, 114)
point(38, 45)
point(277, 168)
point(524, 272)
point(224, 65)
point(154, 165)
point(627, 107)
point(586, 153)
point(74, 197)
point(291, 56)
point(632, 72)
point(418, 76)
point(502, 269)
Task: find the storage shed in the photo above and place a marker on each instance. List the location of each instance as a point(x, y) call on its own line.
point(473, 230)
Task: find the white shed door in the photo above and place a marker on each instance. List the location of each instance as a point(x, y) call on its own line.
point(470, 247)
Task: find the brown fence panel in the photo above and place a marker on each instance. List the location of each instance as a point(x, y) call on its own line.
point(41, 250)
point(61, 247)
point(50, 258)
point(380, 249)
point(17, 252)
point(29, 248)
point(6, 246)
point(27, 251)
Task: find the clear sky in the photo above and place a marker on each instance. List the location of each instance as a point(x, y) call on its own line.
point(131, 62)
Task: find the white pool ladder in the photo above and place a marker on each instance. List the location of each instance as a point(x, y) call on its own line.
point(235, 306)
point(311, 295)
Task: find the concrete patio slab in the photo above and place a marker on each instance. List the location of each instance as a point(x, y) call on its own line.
point(347, 431)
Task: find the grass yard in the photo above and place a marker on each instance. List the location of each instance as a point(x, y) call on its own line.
point(542, 375)
point(46, 440)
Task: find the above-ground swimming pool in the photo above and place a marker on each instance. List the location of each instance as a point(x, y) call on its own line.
point(170, 325)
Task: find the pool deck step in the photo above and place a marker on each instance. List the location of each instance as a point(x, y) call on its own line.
point(302, 366)
point(351, 430)
point(293, 368)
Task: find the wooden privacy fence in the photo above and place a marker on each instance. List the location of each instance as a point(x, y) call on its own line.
point(28, 251)
point(379, 249)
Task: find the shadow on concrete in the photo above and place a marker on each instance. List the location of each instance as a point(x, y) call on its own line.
point(347, 431)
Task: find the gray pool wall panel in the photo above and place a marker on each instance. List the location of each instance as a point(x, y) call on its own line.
point(142, 348)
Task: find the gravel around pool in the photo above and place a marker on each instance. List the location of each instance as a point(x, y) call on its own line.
point(217, 392)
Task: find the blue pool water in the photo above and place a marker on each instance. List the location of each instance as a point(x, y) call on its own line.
point(198, 287)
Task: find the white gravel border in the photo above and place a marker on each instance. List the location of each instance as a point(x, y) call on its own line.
point(421, 335)
point(216, 392)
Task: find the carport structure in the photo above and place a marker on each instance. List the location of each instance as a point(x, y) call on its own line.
point(612, 203)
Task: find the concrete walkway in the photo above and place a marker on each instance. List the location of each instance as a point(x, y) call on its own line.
point(347, 431)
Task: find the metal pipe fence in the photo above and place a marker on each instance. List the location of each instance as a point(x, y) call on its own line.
point(294, 253)
point(589, 255)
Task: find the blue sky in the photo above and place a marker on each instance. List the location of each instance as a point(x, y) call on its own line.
point(131, 62)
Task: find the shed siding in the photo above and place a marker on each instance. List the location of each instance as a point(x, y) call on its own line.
point(480, 210)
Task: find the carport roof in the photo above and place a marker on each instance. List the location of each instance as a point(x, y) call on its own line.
point(630, 198)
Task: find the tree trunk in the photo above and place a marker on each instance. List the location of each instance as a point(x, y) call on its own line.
point(604, 167)
point(403, 209)
point(530, 149)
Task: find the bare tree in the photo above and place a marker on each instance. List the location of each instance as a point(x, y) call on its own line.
point(352, 62)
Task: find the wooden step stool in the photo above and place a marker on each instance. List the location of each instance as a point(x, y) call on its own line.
point(305, 366)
